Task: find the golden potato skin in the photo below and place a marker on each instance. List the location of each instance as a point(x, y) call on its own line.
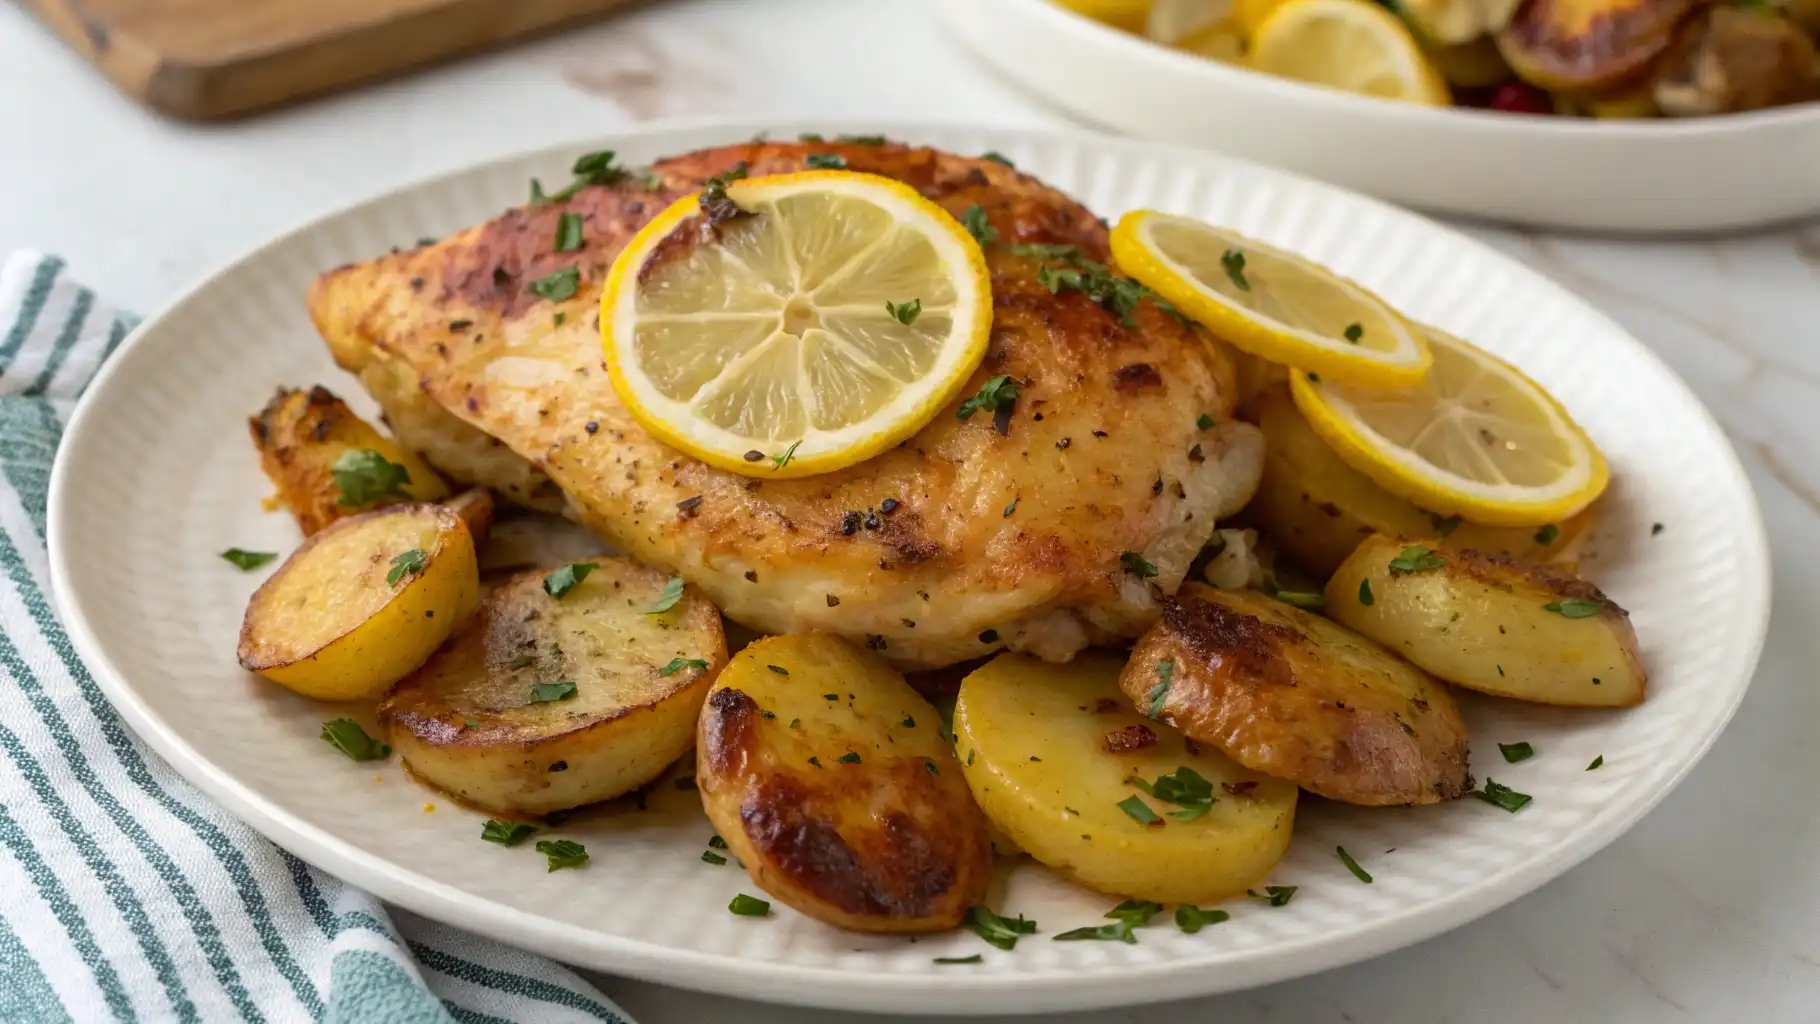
point(1049, 751)
point(1315, 508)
point(300, 434)
point(1289, 693)
point(329, 625)
point(466, 724)
point(475, 507)
point(1481, 621)
point(891, 842)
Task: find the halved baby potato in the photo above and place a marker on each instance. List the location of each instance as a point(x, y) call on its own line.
point(1492, 624)
point(1289, 693)
point(1315, 508)
point(301, 435)
point(362, 602)
point(1051, 751)
point(542, 703)
point(829, 778)
point(1577, 45)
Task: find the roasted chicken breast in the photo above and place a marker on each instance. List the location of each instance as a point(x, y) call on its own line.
point(1064, 525)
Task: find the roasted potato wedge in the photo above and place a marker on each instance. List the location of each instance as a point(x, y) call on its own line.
point(302, 434)
point(1581, 45)
point(544, 703)
point(1289, 693)
point(1050, 752)
point(1491, 623)
point(828, 777)
point(475, 507)
point(362, 602)
point(1315, 508)
point(1729, 59)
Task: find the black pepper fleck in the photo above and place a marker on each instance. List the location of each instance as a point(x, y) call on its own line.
point(833, 602)
point(1064, 442)
point(1194, 454)
point(872, 520)
point(1099, 433)
point(559, 766)
point(888, 506)
point(754, 455)
point(592, 427)
point(989, 636)
point(874, 642)
point(687, 507)
point(849, 523)
point(751, 575)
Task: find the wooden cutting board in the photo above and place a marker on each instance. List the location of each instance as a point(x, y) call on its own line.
point(208, 59)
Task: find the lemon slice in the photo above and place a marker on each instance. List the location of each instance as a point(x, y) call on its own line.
point(1129, 15)
point(1347, 44)
point(1250, 14)
point(1222, 41)
point(1171, 22)
point(1476, 439)
point(1271, 303)
point(805, 323)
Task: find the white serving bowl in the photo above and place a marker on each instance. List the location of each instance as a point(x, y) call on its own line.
point(1695, 174)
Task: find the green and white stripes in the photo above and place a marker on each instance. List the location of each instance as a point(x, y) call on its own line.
point(130, 897)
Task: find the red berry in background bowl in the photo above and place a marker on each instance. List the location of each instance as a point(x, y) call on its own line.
point(1520, 98)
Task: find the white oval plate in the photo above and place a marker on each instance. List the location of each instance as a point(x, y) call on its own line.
point(155, 477)
point(1691, 174)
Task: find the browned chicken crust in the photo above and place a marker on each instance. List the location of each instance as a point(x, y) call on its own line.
point(957, 542)
point(1288, 693)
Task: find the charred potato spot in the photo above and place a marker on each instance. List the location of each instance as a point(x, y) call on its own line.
point(1038, 750)
point(1494, 624)
point(486, 719)
point(301, 434)
point(1572, 45)
point(831, 783)
point(1288, 693)
point(382, 620)
point(1729, 59)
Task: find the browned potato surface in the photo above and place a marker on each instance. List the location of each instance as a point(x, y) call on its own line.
point(1491, 623)
point(1576, 45)
point(302, 434)
point(1289, 693)
point(828, 777)
point(487, 719)
point(1729, 59)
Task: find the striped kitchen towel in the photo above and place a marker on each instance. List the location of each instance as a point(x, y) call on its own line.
point(124, 894)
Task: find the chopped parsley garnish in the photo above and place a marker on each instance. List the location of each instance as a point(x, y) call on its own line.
point(1117, 295)
point(1002, 932)
point(678, 664)
point(1118, 931)
point(783, 460)
point(1205, 422)
point(346, 735)
point(1311, 600)
point(365, 476)
point(810, 137)
point(1574, 608)
point(1136, 564)
point(1159, 694)
point(714, 201)
point(1183, 787)
point(1232, 262)
point(717, 843)
point(997, 396)
point(1010, 508)
point(1352, 865)
point(560, 285)
point(667, 598)
point(1354, 332)
point(1136, 913)
point(709, 856)
point(996, 157)
point(861, 140)
point(830, 696)
point(506, 833)
point(825, 162)
point(1514, 752)
point(248, 560)
point(406, 565)
point(1597, 763)
point(749, 906)
point(558, 582)
point(1416, 558)
point(779, 669)
point(652, 181)
point(1502, 796)
point(544, 693)
point(1365, 597)
point(1275, 895)
point(974, 959)
point(974, 220)
point(1139, 811)
point(1190, 918)
point(1045, 251)
point(904, 312)
point(908, 722)
point(562, 853)
point(1547, 534)
point(589, 169)
point(1656, 528)
point(568, 233)
point(850, 757)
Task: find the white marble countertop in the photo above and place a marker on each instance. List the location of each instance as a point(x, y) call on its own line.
point(1706, 911)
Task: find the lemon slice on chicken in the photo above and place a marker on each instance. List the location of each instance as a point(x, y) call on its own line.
point(795, 324)
point(1271, 303)
point(1476, 438)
